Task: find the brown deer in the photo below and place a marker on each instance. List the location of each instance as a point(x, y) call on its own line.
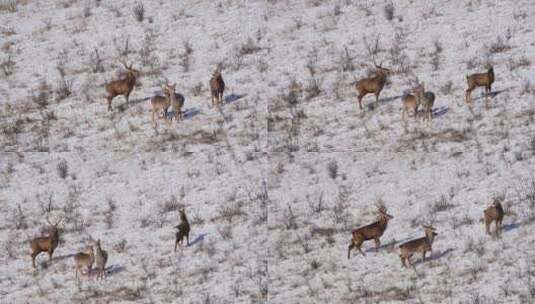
point(84, 259)
point(122, 86)
point(183, 229)
point(370, 232)
point(494, 213)
point(177, 102)
point(217, 87)
point(160, 104)
point(480, 80)
point(47, 243)
point(372, 84)
point(411, 102)
point(427, 99)
point(101, 257)
point(423, 245)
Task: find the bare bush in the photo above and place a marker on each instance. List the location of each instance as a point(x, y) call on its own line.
point(63, 168)
point(139, 11)
point(197, 89)
point(318, 206)
point(499, 46)
point(63, 89)
point(346, 61)
point(332, 169)
point(442, 204)
point(313, 88)
point(95, 62)
point(9, 5)
point(228, 212)
point(185, 57)
point(122, 49)
point(447, 88)
point(388, 9)
point(8, 65)
point(249, 47)
point(372, 45)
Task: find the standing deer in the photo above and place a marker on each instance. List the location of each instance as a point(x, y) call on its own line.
point(160, 104)
point(372, 84)
point(411, 102)
point(177, 102)
point(84, 259)
point(423, 245)
point(183, 229)
point(217, 87)
point(480, 80)
point(47, 243)
point(370, 232)
point(101, 257)
point(494, 213)
point(122, 86)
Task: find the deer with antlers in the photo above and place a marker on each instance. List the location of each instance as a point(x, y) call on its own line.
point(373, 84)
point(370, 232)
point(46, 243)
point(122, 86)
point(423, 245)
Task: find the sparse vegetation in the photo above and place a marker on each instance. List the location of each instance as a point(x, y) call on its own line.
point(139, 11)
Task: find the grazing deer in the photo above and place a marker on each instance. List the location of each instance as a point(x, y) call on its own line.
point(122, 86)
point(423, 245)
point(161, 104)
point(183, 229)
point(373, 84)
point(480, 80)
point(372, 231)
point(411, 102)
point(217, 87)
point(47, 243)
point(494, 213)
point(101, 257)
point(84, 259)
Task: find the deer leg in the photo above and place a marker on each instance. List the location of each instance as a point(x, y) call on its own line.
point(33, 259)
point(377, 244)
point(176, 243)
point(423, 256)
point(498, 228)
point(109, 102)
point(187, 238)
point(349, 250)
point(402, 261)
point(127, 96)
point(487, 227)
point(50, 253)
point(360, 99)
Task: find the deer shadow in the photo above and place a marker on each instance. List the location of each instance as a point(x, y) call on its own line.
point(511, 226)
point(191, 112)
point(233, 97)
point(113, 269)
point(491, 94)
point(198, 239)
point(440, 111)
point(389, 244)
point(127, 105)
point(62, 257)
point(372, 105)
point(434, 257)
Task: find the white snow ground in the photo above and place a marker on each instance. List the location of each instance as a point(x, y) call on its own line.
point(253, 175)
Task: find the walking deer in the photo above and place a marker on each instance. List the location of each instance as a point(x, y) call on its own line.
point(370, 232)
point(101, 257)
point(177, 102)
point(47, 243)
point(217, 87)
point(411, 102)
point(480, 80)
point(122, 86)
point(423, 245)
point(84, 260)
point(183, 229)
point(494, 213)
point(372, 84)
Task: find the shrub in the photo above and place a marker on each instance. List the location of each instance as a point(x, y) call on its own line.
point(139, 11)
point(63, 169)
point(389, 11)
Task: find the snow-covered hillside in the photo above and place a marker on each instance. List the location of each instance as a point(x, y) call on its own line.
point(273, 182)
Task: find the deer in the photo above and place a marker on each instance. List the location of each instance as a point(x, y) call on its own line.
point(46, 243)
point(426, 99)
point(373, 84)
point(183, 229)
point(84, 259)
point(177, 102)
point(494, 213)
point(217, 87)
point(423, 245)
point(101, 257)
point(480, 80)
point(162, 103)
point(122, 86)
point(370, 232)
point(411, 102)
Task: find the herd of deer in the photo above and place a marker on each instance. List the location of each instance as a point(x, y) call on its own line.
point(374, 231)
point(161, 104)
point(93, 253)
point(372, 85)
point(375, 83)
